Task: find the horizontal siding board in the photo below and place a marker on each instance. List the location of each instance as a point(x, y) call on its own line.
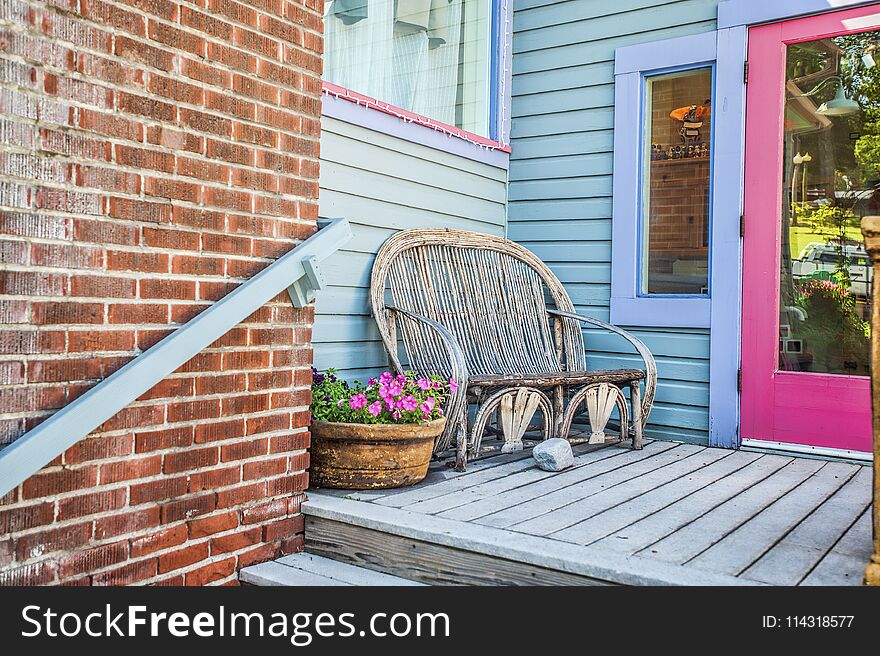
point(363, 156)
point(573, 143)
point(578, 76)
point(542, 13)
point(535, 31)
point(557, 209)
point(560, 176)
point(379, 187)
point(431, 156)
point(383, 212)
point(596, 118)
point(577, 53)
point(564, 100)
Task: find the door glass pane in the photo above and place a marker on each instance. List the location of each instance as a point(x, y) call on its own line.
point(830, 180)
point(675, 186)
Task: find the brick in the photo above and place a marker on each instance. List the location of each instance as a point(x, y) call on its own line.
point(158, 490)
point(158, 541)
point(57, 482)
point(126, 523)
point(206, 526)
point(241, 495)
point(235, 541)
point(222, 430)
point(211, 572)
point(165, 438)
point(36, 545)
point(246, 449)
point(284, 529)
point(264, 468)
point(127, 574)
point(97, 448)
point(137, 314)
point(187, 508)
point(182, 557)
point(13, 520)
point(88, 560)
point(260, 554)
point(190, 459)
point(92, 503)
point(33, 574)
point(214, 478)
point(124, 470)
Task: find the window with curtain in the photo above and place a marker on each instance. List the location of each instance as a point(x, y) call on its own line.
point(430, 57)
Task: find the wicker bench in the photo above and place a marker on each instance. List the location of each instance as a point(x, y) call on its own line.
point(490, 314)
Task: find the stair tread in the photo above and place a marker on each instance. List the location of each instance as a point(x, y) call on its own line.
point(304, 569)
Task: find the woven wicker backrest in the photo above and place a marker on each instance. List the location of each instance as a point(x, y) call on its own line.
point(489, 292)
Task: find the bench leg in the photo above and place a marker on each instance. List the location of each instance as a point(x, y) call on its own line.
point(635, 398)
point(558, 411)
point(461, 442)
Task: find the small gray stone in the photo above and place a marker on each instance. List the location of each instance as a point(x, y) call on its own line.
point(553, 454)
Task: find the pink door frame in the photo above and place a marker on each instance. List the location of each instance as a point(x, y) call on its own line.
point(816, 410)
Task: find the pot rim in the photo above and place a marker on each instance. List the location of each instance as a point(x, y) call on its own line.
point(433, 422)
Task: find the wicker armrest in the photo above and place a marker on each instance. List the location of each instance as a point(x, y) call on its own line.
point(459, 372)
point(641, 349)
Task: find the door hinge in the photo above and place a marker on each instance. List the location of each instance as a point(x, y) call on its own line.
point(739, 380)
point(745, 72)
point(742, 226)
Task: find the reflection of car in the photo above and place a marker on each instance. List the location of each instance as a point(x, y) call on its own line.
point(817, 258)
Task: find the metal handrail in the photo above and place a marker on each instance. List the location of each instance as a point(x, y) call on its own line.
point(298, 271)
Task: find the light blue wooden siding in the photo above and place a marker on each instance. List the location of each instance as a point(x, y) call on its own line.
point(383, 184)
point(560, 174)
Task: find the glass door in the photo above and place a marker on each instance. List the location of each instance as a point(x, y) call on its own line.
point(812, 172)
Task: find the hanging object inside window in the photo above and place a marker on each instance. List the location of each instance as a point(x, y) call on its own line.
point(692, 118)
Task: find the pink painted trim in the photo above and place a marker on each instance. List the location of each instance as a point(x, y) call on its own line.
point(811, 409)
point(411, 117)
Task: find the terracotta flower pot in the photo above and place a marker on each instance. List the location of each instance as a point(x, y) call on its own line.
point(371, 456)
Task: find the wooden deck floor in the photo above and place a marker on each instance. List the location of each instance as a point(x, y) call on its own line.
point(762, 518)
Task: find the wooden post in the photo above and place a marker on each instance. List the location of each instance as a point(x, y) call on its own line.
point(871, 232)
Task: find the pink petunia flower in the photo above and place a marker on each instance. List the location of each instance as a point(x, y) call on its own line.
point(427, 405)
point(395, 388)
point(452, 385)
point(386, 378)
point(424, 384)
point(371, 382)
point(401, 379)
point(396, 414)
point(385, 393)
point(408, 403)
point(375, 408)
point(389, 404)
point(357, 401)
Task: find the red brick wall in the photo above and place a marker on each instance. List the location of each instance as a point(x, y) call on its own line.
point(155, 153)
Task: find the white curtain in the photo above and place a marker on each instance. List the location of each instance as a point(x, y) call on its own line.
point(396, 63)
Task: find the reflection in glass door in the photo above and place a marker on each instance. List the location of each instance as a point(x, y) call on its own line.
point(812, 172)
point(831, 156)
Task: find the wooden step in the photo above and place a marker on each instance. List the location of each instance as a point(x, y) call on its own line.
point(305, 569)
point(441, 551)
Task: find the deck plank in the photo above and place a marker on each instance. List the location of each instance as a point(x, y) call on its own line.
point(845, 563)
point(524, 479)
point(692, 539)
point(744, 545)
point(602, 497)
point(647, 530)
point(637, 465)
point(424, 492)
point(795, 555)
point(476, 508)
point(614, 518)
